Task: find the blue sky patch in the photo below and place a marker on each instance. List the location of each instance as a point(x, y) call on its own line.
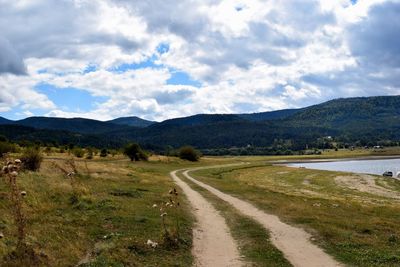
point(182, 78)
point(149, 63)
point(90, 68)
point(163, 48)
point(70, 99)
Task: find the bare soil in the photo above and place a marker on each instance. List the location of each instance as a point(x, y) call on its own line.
point(294, 242)
point(213, 244)
point(366, 183)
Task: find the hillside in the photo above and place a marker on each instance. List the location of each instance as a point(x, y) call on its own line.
point(349, 120)
point(5, 121)
point(269, 115)
point(78, 125)
point(200, 119)
point(349, 113)
point(132, 121)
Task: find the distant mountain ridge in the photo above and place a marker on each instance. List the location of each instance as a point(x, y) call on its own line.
point(362, 119)
point(90, 126)
point(269, 115)
point(5, 121)
point(132, 121)
point(79, 125)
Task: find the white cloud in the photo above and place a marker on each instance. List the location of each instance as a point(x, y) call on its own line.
point(16, 90)
point(248, 55)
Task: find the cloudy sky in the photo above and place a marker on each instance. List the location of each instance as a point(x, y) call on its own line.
point(160, 59)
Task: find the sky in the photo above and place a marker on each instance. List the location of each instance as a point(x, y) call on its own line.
point(158, 59)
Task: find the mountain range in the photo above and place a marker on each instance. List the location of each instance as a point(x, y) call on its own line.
point(362, 119)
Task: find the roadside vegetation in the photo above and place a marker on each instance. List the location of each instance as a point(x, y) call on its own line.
point(87, 209)
point(254, 244)
point(358, 228)
point(189, 153)
point(98, 212)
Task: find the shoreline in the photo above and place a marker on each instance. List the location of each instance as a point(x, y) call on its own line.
point(287, 161)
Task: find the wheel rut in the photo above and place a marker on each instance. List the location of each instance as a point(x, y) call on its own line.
point(294, 242)
point(213, 245)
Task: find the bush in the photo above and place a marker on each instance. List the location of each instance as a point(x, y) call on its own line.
point(89, 153)
point(32, 159)
point(135, 152)
point(6, 147)
point(48, 150)
point(3, 138)
point(103, 153)
point(78, 152)
point(189, 153)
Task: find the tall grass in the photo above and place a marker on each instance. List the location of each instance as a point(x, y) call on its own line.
point(23, 255)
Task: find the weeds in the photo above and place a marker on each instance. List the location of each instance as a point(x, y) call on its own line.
point(169, 213)
point(23, 255)
point(70, 171)
point(11, 171)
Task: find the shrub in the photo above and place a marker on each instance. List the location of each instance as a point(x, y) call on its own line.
point(48, 150)
point(135, 152)
point(32, 158)
point(89, 153)
point(113, 152)
point(6, 147)
point(78, 152)
point(189, 153)
point(103, 153)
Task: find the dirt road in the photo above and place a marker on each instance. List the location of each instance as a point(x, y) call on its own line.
point(213, 244)
point(294, 242)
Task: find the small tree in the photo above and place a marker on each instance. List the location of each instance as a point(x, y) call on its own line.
point(89, 153)
point(103, 153)
point(32, 158)
point(6, 147)
point(3, 138)
point(189, 153)
point(135, 152)
point(78, 152)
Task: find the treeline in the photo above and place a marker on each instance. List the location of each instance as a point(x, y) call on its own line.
point(349, 122)
point(132, 150)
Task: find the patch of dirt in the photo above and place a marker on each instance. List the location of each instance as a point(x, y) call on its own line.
point(294, 242)
point(366, 183)
point(284, 172)
point(213, 244)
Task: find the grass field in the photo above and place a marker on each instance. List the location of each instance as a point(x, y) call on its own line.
point(358, 228)
point(106, 216)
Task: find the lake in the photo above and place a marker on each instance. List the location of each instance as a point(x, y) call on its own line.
point(376, 166)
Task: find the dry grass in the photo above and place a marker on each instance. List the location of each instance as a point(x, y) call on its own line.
point(358, 228)
point(110, 221)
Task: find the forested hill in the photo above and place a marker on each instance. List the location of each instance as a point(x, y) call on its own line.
point(132, 121)
point(350, 113)
point(368, 119)
point(79, 125)
point(270, 115)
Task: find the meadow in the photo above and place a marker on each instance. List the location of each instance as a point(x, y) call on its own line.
point(104, 218)
point(108, 211)
point(357, 228)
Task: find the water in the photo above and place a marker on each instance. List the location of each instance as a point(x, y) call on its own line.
point(378, 166)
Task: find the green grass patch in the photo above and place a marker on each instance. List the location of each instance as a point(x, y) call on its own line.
point(252, 238)
point(360, 229)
